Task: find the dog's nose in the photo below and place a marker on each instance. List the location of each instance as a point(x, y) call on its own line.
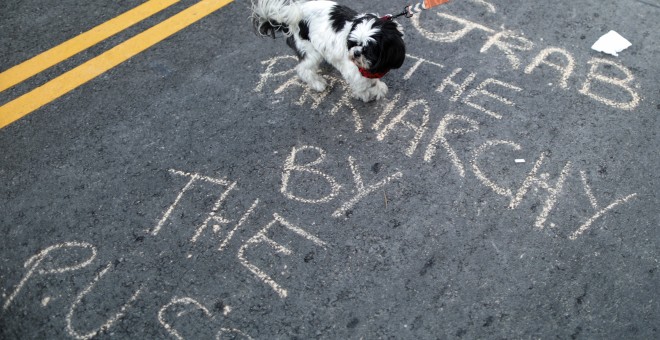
point(357, 53)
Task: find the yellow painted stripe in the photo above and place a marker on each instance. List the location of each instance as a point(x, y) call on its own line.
point(91, 69)
point(71, 47)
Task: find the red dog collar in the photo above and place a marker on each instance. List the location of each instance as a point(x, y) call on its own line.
point(371, 75)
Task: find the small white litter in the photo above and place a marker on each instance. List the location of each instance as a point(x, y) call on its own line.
point(611, 43)
point(520, 160)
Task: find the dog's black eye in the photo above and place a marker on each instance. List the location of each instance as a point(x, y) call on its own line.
point(370, 52)
point(351, 44)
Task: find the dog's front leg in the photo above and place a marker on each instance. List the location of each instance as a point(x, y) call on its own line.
point(310, 61)
point(308, 71)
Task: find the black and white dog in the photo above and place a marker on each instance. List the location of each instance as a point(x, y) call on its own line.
point(363, 47)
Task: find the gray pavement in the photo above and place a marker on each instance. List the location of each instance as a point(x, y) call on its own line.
point(506, 188)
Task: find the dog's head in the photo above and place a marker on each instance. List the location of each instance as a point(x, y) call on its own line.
point(376, 44)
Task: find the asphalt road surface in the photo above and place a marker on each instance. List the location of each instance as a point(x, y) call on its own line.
point(173, 179)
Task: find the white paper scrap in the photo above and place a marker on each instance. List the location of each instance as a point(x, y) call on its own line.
point(611, 43)
point(520, 160)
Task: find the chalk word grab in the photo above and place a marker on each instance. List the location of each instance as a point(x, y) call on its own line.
point(619, 81)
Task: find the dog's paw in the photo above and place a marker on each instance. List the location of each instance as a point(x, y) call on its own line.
point(319, 84)
point(313, 79)
point(362, 95)
point(376, 91)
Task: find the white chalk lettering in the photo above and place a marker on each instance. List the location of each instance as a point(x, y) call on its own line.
point(290, 166)
point(316, 97)
point(553, 193)
point(240, 223)
point(418, 130)
point(480, 174)
point(362, 191)
point(179, 301)
point(268, 74)
point(594, 203)
point(587, 190)
point(389, 107)
point(440, 137)
point(488, 5)
point(214, 216)
point(460, 88)
point(109, 322)
point(541, 181)
point(196, 305)
point(481, 91)
point(623, 83)
point(345, 101)
point(512, 45)
point(193, 179)
point(417, 64)
point(507, 46)
point(34, 264)
point(168, 212)
point(565, 70)
point(449, 37)
point(533, 179)
point(261, 237)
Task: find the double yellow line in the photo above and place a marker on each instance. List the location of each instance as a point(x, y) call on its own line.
point(57, 87)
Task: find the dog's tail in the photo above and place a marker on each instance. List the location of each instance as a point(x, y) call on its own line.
point(270, 16)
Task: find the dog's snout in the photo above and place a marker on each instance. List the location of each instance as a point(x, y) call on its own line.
point(357, 53)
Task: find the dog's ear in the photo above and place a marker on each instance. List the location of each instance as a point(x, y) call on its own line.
point(392, 48)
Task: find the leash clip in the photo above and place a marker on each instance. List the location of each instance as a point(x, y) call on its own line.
point(407, 12)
